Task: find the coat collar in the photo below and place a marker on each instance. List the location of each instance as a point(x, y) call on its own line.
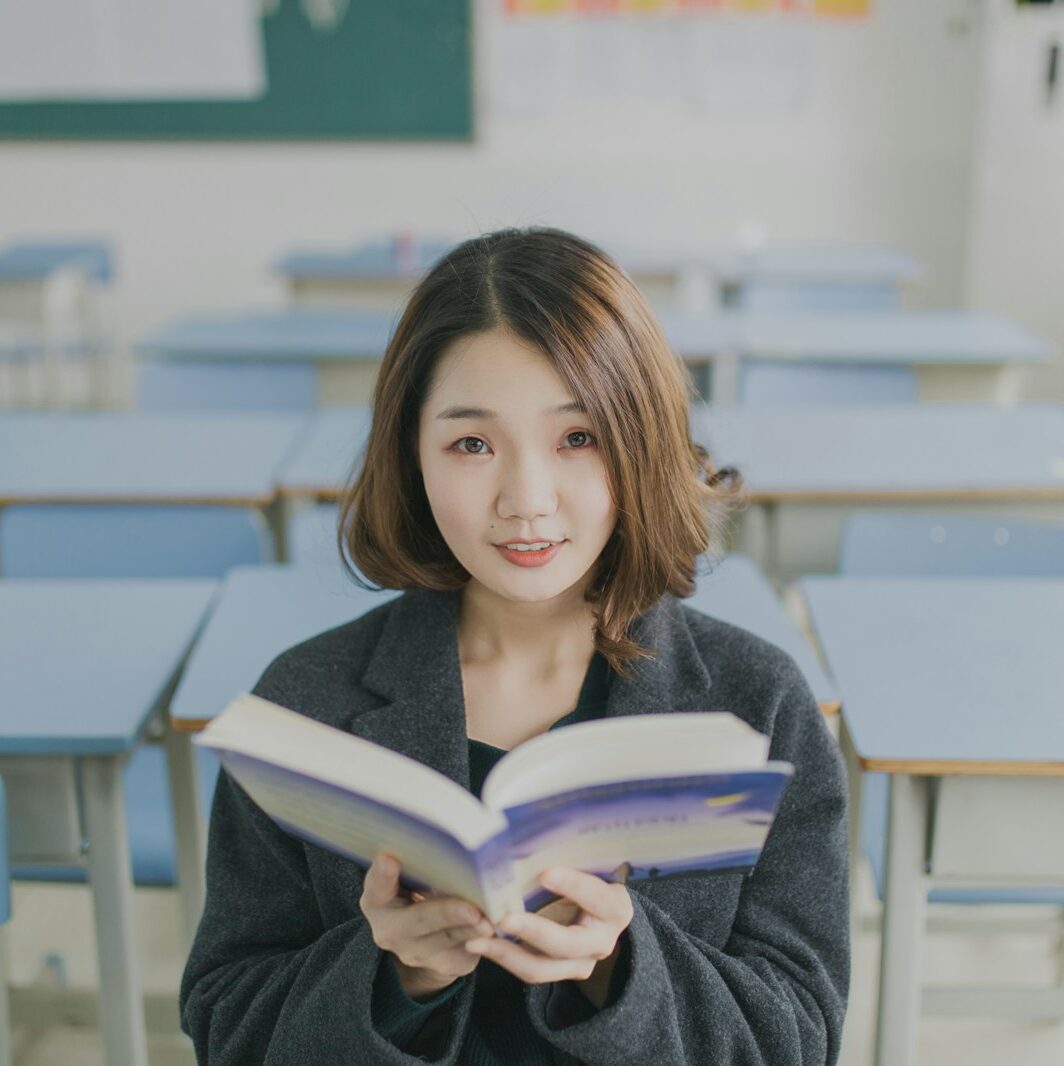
point(415, 669)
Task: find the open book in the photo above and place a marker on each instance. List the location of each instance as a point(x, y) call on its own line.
point(665, 793)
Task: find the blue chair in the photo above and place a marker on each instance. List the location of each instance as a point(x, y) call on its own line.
point(782, 384)
point(130, 541)
point(178, 385)
point(878, 544)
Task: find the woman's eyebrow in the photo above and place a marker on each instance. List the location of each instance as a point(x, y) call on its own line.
point(484, 413)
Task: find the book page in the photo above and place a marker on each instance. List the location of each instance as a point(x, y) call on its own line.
point(260, 729)
point(632, 747)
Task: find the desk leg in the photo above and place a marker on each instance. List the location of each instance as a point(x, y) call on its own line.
point(277, 515)
point(6, 1053)
point(111, 877)
point(773, 553)
point(188, 827)
point(904, 900)
point(726, 369)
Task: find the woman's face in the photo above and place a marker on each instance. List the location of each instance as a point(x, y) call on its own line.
point(508, 458)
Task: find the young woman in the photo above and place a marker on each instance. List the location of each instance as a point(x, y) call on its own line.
point(530, 482)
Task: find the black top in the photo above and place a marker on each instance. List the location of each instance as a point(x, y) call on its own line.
point(500, 1030)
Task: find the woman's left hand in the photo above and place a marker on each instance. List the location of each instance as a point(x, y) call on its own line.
point(571, 939)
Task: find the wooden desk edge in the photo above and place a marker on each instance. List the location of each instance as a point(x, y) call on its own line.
point(962, 768)
point(313, 493)
point(189, 725)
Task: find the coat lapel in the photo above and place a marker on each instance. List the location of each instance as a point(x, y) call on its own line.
point(415, 669)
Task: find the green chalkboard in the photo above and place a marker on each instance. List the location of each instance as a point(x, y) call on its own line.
point(390, 70)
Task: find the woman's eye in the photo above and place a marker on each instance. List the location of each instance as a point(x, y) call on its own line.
point(579, 438)
point(475, 445)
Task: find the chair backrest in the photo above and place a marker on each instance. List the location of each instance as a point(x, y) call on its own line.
point(881, 544)
point(164, 385)
point(104, 540)
point(782, 384)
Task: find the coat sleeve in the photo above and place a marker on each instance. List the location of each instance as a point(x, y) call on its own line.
point(266, 982)
point(776, 994)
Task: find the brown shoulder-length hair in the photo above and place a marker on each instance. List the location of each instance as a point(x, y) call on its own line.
point(572, 302)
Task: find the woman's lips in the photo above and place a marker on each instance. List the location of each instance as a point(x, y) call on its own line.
point(529, 558)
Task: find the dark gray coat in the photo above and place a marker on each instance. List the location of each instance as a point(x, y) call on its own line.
point(725, 969)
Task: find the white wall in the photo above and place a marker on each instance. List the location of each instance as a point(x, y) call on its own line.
point(1017, 259)
point(878, 151)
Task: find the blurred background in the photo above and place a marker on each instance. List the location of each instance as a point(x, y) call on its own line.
point(846, 215)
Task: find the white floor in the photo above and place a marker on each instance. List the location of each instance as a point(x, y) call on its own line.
point(50, 945)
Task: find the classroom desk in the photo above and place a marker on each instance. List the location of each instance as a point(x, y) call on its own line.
point(952, 687)
point(345, 346)
point(958, 355)
point(85, 668)
point(828, 277)
point(378, 271)
point(261, 611)
point(935, 453)
point(112, 457)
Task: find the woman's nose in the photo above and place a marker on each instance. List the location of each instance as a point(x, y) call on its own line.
point(527, 490)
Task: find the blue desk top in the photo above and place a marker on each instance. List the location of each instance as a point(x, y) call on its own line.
point(938, 451)
point(295, 335)
point(813, 264)
point(261, 611)
point(908, 337)
point(83, 664)
point(375, 260)
point(35, 260)
point(227, 458)
point(325, 454)
point(945, 669)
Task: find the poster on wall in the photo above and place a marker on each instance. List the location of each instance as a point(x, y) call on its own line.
point(735, 57)
point(815, 8)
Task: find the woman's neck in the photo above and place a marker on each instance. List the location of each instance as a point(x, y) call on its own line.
point(538, 638)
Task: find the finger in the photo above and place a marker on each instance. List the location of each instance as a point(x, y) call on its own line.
point(432, 915)
point(596, 939)
point(381, 884)
point(530, 968)
point(608, 902)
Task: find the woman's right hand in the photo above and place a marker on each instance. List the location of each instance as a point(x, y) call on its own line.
point(426, 936)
